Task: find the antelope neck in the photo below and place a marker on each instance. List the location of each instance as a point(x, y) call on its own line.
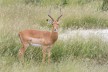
point(54, 35)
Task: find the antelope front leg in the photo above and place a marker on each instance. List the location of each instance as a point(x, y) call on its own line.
point(21, 52)
point(49, 55)
point(44, 54)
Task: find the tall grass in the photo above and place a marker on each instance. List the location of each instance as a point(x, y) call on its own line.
point(85, 16)
point(76, 54)
point(68, 65)
point(46, 2)
point(14, 18)
point(92, 48)
point(68, 55)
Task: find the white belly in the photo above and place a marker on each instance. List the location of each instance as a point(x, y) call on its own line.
point(37, 45)
point(36, 40)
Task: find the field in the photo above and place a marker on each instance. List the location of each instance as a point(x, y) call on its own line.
point(74, 54)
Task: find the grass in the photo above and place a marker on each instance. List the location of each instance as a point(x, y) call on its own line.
point(76, 54)
point(93, 48)
point(46, 3)
point(81, 16)
point(69, 65)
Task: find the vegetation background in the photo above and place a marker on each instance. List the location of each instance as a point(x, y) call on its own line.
point(76, 54)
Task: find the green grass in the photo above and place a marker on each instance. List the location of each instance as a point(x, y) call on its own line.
point(76, 54)
point(72, 55)
point(46, 2)
point(69, 65)
point(80, 16)
point(93, 48)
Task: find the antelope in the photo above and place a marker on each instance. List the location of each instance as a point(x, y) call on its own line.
point(44, 39)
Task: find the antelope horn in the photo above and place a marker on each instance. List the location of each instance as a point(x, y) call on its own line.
point(50, 15)
point(59, 16)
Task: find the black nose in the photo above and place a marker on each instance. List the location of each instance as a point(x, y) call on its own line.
point(54, 29)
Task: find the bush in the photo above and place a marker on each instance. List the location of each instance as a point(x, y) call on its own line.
point(105, 5)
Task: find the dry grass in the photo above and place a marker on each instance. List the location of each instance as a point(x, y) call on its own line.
point(69, 65)
point(74, 55)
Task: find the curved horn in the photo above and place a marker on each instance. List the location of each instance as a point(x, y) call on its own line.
point(59, 16)
point(50, 15)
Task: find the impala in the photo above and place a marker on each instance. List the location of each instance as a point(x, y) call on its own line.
point(45, 39)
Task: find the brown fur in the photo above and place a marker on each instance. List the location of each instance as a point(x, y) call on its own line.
point(44, 38)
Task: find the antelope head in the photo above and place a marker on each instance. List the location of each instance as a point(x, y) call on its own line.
point(54, 22)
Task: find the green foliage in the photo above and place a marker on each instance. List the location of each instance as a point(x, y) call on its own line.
point(105, 5)
point(84, 1)
point(34, 17)
point(10, 2)
point(7, 64)
point(17, 15)
point(91, 48)
point(46, 2)
point(85, 22)
point(57, 2)
point(64, 2)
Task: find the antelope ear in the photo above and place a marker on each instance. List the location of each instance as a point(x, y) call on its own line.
point(49, 21)
point(46, 19)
